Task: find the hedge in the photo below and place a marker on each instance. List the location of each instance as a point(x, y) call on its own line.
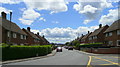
point(89, 45)
point(19, 52)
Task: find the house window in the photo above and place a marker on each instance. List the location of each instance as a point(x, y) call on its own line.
point(90, 38)
point(21, 36)
point(110, 42)
point(110, 34)
point(118, 42)
point(8, 34)
point(25, 37)
point(14, 35)
point(118, 32)
point(106, 34)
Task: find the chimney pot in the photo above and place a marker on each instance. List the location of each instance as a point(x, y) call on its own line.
point(82, 34)
point(37, 33)
point(3, 15)
point(28, 28)
point(88, 32)
point(43, 36)
point(100, 26)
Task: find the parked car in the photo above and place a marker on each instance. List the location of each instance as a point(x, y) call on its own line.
point(66, 47)
point(70, 48)
point(59, 49)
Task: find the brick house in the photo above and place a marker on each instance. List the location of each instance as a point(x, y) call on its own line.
point(32, 39)
point(85, 38)
point(41, 39)
point(10, 32)
point(112, 34)
point(80, 38)
point(45, 41)
point(98, 35)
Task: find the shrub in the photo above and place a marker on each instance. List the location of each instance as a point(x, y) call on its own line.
point(18, 52)
point(91, 45)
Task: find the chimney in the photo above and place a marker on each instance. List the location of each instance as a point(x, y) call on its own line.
point(43, 36)
point(88, 32)
point(3, 15)
point(37, 33)
point(100, 26)
point(28, 28)
point(82, 34)
point(10, 16)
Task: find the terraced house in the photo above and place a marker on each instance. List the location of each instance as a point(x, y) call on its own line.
point(11, 33)
point(98, 35)
point(41, 39)
point(45, 41)
point(32, 39)
point(85, 37)
point(112, 34)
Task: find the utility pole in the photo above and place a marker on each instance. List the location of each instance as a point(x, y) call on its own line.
point(10, 28)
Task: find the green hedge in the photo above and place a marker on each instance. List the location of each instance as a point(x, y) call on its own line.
point(93, 45)
point(18, 52)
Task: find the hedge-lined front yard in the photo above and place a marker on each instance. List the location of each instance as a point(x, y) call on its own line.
point(19, 52)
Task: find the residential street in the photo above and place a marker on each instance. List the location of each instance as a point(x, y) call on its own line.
point(69, 57)
point(61, 58)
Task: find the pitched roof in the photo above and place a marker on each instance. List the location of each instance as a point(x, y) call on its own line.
point(97, 31)
point(39, 37)
point(114, 26)
point(31, 34)
point(11, 26)
point(86, 36)
point(45, 39)
point(81, 37)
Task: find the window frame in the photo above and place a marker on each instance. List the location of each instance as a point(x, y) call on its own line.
point(118, 32)
point(8, 34)
point(21, 36)
point(117, 42)
point(14, 35)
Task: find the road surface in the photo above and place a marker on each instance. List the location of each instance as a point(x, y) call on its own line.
point(69, 57)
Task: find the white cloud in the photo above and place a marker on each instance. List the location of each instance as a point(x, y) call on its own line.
point(110, 17)
point(35, 31)
point(42, 19)
point(62, 35)
point(88, 8)
point(91, 9)
point(29, 16)
point(5, 10)
point(10, 1)
point(86, 21)
point(54, 6)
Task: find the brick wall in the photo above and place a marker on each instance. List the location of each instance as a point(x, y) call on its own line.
point(104, 50)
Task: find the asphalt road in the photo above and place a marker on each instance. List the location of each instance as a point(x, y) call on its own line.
point(67, 57)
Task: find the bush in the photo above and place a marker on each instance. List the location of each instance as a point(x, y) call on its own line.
point(91, 45)
point(18, 52)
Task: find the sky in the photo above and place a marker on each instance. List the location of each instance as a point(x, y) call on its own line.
point(61, 21)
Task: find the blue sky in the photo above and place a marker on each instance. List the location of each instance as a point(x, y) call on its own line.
point(60, 21)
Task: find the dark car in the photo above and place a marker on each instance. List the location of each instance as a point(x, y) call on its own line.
point(70, 48)
point(59, 49)
point(66, 47)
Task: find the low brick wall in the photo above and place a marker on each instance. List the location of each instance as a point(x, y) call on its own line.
point(103, 50)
